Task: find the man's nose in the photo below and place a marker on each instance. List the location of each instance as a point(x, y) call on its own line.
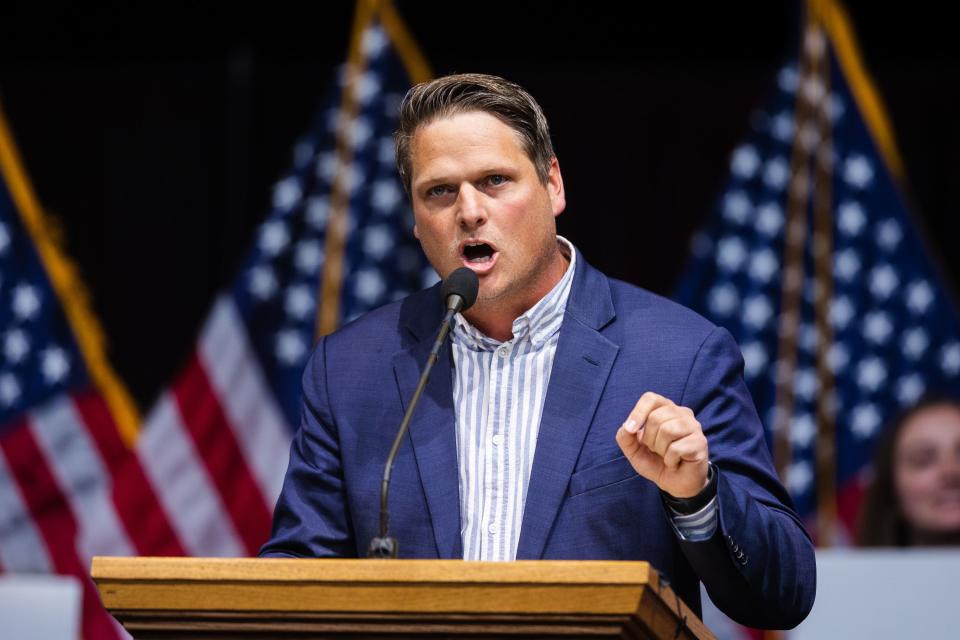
point(471, 212)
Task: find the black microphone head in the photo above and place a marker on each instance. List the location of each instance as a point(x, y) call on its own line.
point(464, 283)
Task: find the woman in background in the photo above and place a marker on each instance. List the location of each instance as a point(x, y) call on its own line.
point(914, 499)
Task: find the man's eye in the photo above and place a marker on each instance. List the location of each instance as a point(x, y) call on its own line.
point(437, 191)
point(496, 180)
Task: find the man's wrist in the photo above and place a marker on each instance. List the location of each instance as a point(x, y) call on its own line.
point(695, 503)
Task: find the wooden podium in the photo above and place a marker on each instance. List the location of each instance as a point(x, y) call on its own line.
point(260, 598)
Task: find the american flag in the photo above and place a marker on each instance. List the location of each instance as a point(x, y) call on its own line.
point(70, 485)
point(201, 474)
point(812, 260)
point(216, 443)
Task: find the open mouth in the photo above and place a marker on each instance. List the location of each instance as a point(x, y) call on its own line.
point(481, 252)
point(478, 255)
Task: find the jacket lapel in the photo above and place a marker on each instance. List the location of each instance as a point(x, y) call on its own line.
point(580, 370)
point(432, 428)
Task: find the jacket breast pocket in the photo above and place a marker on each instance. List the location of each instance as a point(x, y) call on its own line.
point(602, 475)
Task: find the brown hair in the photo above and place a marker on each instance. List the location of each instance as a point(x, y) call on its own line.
point(461, 93)
point(881, 522)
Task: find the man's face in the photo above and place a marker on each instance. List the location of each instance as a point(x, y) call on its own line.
point(478, 202)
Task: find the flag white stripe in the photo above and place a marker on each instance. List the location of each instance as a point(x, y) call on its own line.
point(249, 405)
point(22, 549)
point(183, 484)
point(74, 460)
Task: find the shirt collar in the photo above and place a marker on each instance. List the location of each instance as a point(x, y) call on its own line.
point(538, 323)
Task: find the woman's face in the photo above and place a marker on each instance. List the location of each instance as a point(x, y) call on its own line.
point(926, 470)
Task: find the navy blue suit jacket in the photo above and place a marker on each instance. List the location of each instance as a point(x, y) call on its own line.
point(584, 500)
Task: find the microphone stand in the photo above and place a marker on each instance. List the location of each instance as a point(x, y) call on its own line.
point(384, 546)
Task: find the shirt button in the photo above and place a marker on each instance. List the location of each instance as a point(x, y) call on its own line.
point(493, 528)
point(497, 439)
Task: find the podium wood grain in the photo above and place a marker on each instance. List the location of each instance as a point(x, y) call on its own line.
point(272, 598)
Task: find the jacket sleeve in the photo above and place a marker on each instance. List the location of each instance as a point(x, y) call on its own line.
point(311, 518)
point(759, 567)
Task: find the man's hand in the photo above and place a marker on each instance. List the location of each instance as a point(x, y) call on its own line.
point(665, 444)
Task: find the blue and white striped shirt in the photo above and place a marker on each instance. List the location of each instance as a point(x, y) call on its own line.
point(498, 392)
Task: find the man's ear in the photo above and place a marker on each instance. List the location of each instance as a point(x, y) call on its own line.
point(558, 197)
point(416, 232)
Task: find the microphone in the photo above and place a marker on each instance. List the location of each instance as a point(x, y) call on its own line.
point(459, 292)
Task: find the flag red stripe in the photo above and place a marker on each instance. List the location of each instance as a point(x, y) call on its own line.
point(849, 501)
point(217, 445)
point(54, 518)
point(143, 517)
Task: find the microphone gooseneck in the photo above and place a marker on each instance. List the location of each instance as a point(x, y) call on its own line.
point(459, 292)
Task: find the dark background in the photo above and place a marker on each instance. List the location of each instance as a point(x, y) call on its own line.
point(154, 133)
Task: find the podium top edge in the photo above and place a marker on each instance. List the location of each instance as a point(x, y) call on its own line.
point(371, 570)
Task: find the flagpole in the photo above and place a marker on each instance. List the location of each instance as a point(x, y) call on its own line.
point(331, 282)
point(795, 237)
point(822, 249)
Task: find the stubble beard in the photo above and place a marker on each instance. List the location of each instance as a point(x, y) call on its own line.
point(514, 293)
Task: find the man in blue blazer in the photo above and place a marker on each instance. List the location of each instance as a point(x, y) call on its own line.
point(647, 444)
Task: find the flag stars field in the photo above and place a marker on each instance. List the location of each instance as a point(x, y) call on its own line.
point(755, 359)
point(386, 195)
point(883, 281)
point(26, 302)
point(877, 327)
point(262, 282)
point(919, 296)
point(914, 343)
point(757, 312)
point(782, 126)
point(788, 79)
point(745, 162)
point(377, 242)
point(889, 234)
point(16, 345)
point(865, 420)
point(290, 347)
point(769, 219)
point(9, 389)
point(850, 218)
point(731, 253)
point(803, 430)
point(776, 173)
point(950, 358)
point(299, 303)
point(274, 238)
point(841, 312)
point(737, 207)
point(909, 389)
point(857, 171)
point(799, 477)
point(846, 264)
point(54, 364)
point(763, 265)
point(287, 193)
point(318, 211)
point(308, 256)
point(871, 374)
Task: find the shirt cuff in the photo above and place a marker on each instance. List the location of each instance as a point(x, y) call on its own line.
point(698, 526)
point(695, 518)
